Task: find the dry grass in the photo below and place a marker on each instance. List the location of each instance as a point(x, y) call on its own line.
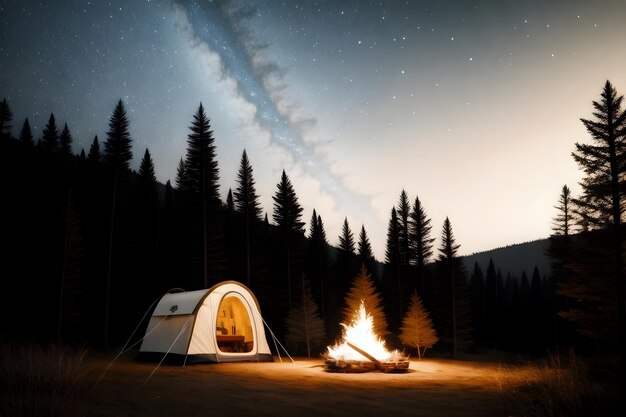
point(562, 386)
point(43, 381)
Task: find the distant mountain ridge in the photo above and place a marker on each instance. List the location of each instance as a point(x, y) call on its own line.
point(515, 258)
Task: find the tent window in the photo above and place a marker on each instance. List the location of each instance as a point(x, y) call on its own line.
point(233, 327)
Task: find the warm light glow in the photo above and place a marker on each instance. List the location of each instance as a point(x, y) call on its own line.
point(360, 333)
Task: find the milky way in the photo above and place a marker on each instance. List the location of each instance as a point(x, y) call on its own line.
point(473, 107)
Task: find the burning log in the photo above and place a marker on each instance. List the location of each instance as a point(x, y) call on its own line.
point(348, 357)
point(364, 353)
point(364, 366)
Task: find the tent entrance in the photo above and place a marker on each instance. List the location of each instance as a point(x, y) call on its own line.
point(233, 327)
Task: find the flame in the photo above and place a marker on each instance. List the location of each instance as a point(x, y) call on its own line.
point(361, 334)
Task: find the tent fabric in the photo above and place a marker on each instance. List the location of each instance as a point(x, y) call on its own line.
point(220, 324)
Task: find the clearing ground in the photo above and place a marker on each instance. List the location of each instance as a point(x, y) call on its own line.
point(304, 388)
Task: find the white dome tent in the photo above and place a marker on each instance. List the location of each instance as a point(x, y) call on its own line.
point(219, 324)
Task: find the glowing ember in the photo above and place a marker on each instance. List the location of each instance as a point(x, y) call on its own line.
point(360, 333)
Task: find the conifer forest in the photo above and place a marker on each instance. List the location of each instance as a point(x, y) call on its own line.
point(91, 244)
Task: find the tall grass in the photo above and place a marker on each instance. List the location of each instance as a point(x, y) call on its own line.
point(563, 386)
point(43, 381)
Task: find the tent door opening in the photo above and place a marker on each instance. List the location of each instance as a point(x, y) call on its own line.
point(234, 331)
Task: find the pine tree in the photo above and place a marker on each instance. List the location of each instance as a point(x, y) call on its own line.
point(181, 176)
point(392, 280)
point(455, 327)
point(304, 326)
point(421, 242)
point(94, 151)
point(65, 142)
point(403, 212)
point(604, 185)
point(365, 256)
point(230, 202)
point(118, 148)
point(50, 135)
point(346, 240)
point(392, 251)
point(345, 267)
point(26, 135)
point(201, 176)
point(318, 258)
point(562, 223)
point(201, 168)
point(117, 154)
point(247, 203)
point(146, 169)
point(365, 247)
point(417, 328)
point(364, 291)
point(6, 116)
point(288, 217)
point(146, 225)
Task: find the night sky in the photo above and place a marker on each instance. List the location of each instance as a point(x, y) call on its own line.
point(473, 106)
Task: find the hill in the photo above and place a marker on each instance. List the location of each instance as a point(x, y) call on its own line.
point(514, 258)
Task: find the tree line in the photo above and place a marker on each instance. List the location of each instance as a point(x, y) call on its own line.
point(91, 244)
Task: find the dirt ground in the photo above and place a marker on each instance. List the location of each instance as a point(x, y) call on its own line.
point(303, 388)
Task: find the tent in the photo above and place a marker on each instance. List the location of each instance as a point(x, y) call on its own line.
point(219, 324)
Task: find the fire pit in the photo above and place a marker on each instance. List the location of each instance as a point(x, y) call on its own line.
point(361, 350)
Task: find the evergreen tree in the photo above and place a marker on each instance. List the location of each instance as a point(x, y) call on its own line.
point(318, 258)
point(417, 328)
point(6, 116)
point(304, 326)
point(346, 240)
point(26, 135)
point(247, 203)
point(392, 251)
point(50, 135)
point(455, 322)
point(392, 282)
point(365, 256)
point(146, 226)
point(345, 267)
point(181, 176)
point(562, 223)
point(403, 212)
point(230, 202)
point(118, 148)
point(65, 142)
point(117, 154)
point(94, 151)
point(365, 248)
point(201, 168)
point(288, 217)
point(364, 291)
point(421, 242)
point(201, 176)
point(604, 185)
point(146, 169)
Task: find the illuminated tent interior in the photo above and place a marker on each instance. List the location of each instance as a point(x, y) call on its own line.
point(219, 324)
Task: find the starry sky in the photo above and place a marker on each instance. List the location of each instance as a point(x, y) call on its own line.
point(472, 106)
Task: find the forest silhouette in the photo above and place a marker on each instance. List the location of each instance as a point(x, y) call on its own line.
point(91, 244)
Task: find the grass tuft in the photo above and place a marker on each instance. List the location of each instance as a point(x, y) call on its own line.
point(48, 380)
point(562, 386)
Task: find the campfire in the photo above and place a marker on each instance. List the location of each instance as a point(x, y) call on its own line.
point(361, 350)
